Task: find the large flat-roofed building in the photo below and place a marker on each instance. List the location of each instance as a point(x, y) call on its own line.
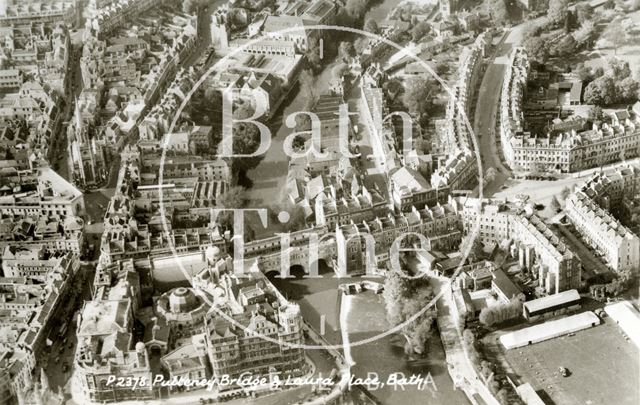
point(549, 305)
point(627, 317)
point(549, 330)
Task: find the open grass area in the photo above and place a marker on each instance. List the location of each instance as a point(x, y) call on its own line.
point(603, 365)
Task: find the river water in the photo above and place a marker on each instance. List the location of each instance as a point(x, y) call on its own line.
point(270, 175)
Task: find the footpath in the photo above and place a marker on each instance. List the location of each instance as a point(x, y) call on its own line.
point(460, 368)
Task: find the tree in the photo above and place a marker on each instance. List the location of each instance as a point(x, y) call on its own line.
point(537, 48)
point(566, 46)
point(557, 11)
point(619, 69)
point(394, 293)
point(339, 70)
point(499, 313)
point(628, 90)
point(469, 337)
point(442, 68)
point(371, 26)
point(584, 73)
point(189, 6)
point(346, 51)
point(487, 316)
point(601, 91)
point(297, 216)
point(586, 33)
point(246, 140)
point(489, 176)
point(564, 194)
point(393, 87)
point(312, 54)
point(306, 82)
point(498, 11)
point(243, 110)
point(403, 299)
point(555, 204)
point(420, 30)
point(238, 18)
point(615, 34)
point(233, 197)
point(356, 8)
point(503, 396)
point(583, 13)
point(486, 369)
point(476, 250)
point(360, 44)
point(568, 23)
point(418, 94)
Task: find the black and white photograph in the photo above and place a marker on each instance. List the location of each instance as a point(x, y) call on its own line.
point(320, 202)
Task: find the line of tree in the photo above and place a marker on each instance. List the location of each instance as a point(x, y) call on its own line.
point(615, 287)
point(404, 298)
point(499, 313)
point(615, 85)
point(487, 370)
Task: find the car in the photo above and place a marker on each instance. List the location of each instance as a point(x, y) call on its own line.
point(564, 371)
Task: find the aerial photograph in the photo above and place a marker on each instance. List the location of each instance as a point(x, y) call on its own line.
point(320, 202)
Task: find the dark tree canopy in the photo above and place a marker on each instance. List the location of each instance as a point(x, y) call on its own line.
point(537, 48)
point(233, 197)
point(498, 11)
point(346, 51)
point(312, 54)
point(558, 10)
point(371, 26)
point(418, 94)
point(420, 30)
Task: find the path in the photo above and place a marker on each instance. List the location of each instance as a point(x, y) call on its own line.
point(460, 369)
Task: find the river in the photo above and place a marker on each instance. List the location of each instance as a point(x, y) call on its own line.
point(269, 176)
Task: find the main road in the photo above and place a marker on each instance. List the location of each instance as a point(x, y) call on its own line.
point(484, 123)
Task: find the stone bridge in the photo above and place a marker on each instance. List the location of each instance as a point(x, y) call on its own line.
point(305, 248)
